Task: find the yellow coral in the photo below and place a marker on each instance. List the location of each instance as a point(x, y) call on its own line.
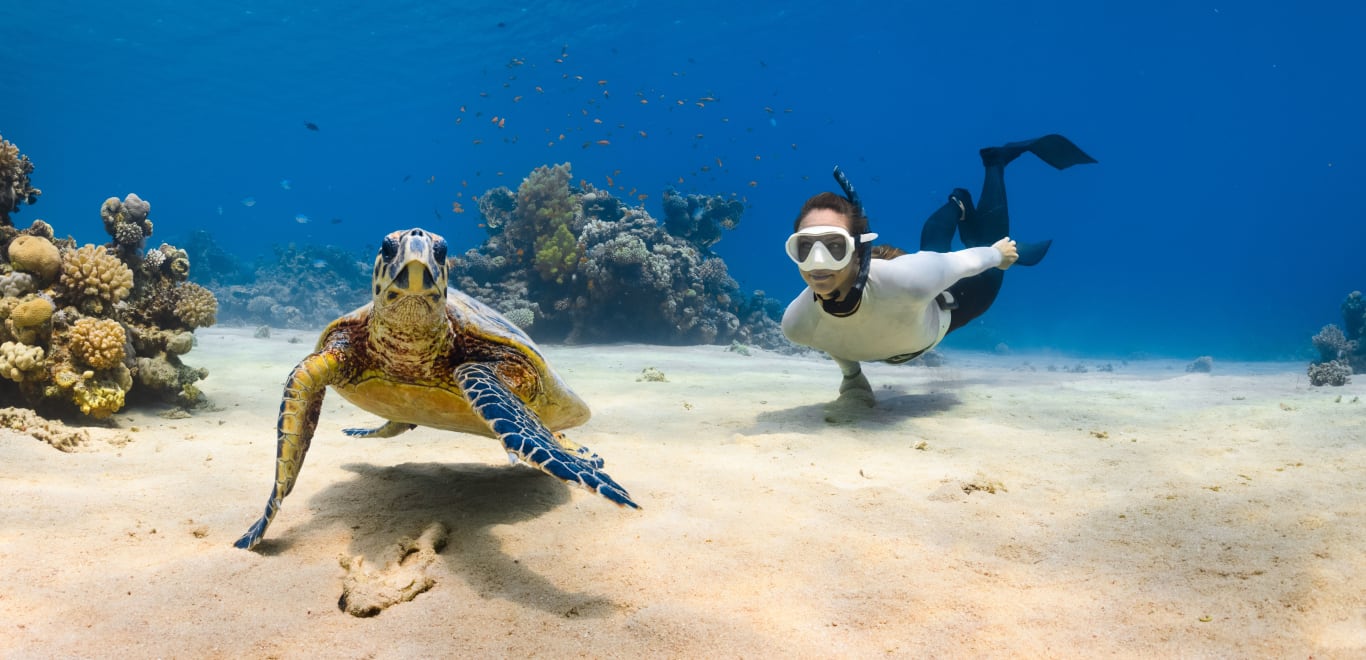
point(32, 313)
point(35, 255)
point(93, 278)
point(98, 343)
point(27, 320)
point(196, 307)
point(19, 362)
point(97, 398)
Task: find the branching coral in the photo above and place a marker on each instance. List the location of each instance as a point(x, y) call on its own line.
point(98, 343)
point(94, 280)
point(15, 188)
point(1341, 353)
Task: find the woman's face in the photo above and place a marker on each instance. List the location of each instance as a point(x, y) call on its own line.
point(826, 282)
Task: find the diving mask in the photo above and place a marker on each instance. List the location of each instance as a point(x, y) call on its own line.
point(824, 247)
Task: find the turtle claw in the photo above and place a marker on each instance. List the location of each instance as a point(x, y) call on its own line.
point(385, 430)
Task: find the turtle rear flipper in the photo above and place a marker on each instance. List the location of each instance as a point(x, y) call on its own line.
point(303, 401)
point(386, 430)
point(524, 436)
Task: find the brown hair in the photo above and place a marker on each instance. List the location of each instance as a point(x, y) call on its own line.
point(858, 222)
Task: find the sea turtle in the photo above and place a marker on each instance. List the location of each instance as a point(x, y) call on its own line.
point(421, 354)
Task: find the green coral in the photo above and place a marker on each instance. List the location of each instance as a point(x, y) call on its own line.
point(557, 254)
point(541, 232)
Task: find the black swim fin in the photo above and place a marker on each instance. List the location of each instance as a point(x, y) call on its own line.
point(1031, 253)
point(1053, 149)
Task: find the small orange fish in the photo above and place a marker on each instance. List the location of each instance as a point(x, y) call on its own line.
point(768, 110)
point(464, 183)
point(718, 162)
point(501, 122)
point(753, 184)
point(462, 108)
point(539, 90)
point(708, 99)
point(494, 120)
point(578, 77)
point(642, 197)
point(642, 134)
point(483, 94)
point(610, 183)
point(606, 95)
point(633, 191)
point(644, 101)
point(561, 136)
point(680, 179)
point(701, 104)
point(597, 121)
point(457, 208)
point(616, 172)
point(680, 101)
point(517, 98)
point(604, 142)
point(550, 143)
point(559, 60)
point(602, 82)
point(459, 119)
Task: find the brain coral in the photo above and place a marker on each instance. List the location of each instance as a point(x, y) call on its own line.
point(196, 307)
point(32, 313)
point(93, 278)
point(98, 343)
point(19, 362)
point(27, 320)
point(35, 255)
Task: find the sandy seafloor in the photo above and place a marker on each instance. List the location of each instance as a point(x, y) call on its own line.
point(987, 507)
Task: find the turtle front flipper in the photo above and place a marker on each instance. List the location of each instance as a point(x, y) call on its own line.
point(385, 430)
point(524, 436)
point(303, 400)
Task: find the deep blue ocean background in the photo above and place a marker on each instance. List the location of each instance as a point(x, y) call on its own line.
point(1224, 218)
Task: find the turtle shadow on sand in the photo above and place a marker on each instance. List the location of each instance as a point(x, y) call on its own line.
point(891, 406)
point(404, 507)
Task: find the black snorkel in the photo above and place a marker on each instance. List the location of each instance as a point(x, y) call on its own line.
point(850, 303)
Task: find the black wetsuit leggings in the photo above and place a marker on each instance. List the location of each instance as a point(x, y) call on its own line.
point(983, 225)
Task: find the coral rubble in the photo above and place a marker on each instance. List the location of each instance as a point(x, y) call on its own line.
point(1341, 351)
point(80, 327)
point(576, 264)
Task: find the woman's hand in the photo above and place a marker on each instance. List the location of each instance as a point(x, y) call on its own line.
point(1008, 252)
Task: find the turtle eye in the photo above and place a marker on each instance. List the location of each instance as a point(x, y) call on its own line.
point(439, 251)
point(388, 248)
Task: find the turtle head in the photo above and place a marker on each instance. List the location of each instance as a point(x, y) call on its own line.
point(410, 272)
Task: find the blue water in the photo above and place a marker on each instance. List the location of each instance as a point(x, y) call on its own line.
point(1224, 217)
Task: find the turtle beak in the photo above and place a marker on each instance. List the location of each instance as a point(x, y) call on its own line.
point(414, 262)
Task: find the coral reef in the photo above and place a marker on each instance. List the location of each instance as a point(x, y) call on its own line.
point(1341, 351)
point(1201, 365)
point(1333, 372)
point(304, 287)
point(87, 328)
point(575, 264)
point(15, 188)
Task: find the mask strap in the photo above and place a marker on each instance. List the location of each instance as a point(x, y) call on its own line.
point(852, 299)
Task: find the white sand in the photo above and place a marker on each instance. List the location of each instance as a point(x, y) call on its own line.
point(1140, 512)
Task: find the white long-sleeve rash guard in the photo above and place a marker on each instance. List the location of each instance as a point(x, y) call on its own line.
point(898, 314)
